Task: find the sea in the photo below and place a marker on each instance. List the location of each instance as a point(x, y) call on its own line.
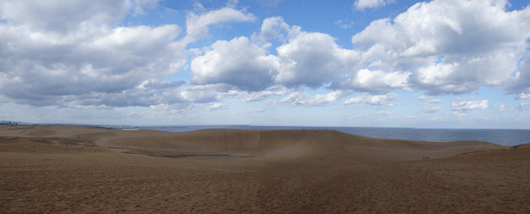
point(505, 137)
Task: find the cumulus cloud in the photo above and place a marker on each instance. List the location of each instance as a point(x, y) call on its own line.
point(523, 95)
point(272, 28)
point(447, 52)
point(259, 110)
point(435, 101)
point(88, 62)
point(294, 98)
point(469, 105)
point(422, 97)
point(344, 24)
point(323, 99)
point(171, 109)
point(255, 96)
point(237, 62)
point(430, 109)
point(386, 113)
point(311, 59)
point(298, 98)
point(459, 114)
point(464, 98)
point(197, 25)
point(500, 108)
point(372, 100)
point(523, 106)
point(53, 55)
point(363, 4)
point(64, 16)
point(424, 48)
point(215, 106)
point(375, 81)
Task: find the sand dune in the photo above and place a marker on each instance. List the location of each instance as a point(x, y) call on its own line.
point(297, 143)
point(55, 169)
point(275, 144)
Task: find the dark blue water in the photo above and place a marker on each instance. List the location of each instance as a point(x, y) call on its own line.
point(506, 137)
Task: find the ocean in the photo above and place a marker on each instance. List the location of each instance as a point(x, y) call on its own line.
point(506, 137)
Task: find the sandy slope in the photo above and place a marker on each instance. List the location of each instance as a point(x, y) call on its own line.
point(68, 169)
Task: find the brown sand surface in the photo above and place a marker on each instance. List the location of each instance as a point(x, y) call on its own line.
point(68, 169)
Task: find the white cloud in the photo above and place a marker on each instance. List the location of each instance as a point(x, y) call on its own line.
point(386, 113)
point(237, 62)
point(215, 106)
point(199, 96)
point(344, 24)
point(447, 52)
point(430, 109)
point(378, 81)
point(522, 95)
point(295, 98)
point(422, 97)
point(307, 59)
point(272, 28)
point(500, 108)
point(232, 3)
point(255, 96)
point(372, 100)
point(469, 105)
point(323, 99)
point(88, 62)
point(139, 6)
point(54, 55)
point(435, 101)
point(363, 4)
point(65, 16)
point(414, 53)
point(464, 98)
point(300, 99)
point(197, 5)
point(523, 106)
point(197, 25)
point(311, 59)
point(459, 114)
point(173, 109)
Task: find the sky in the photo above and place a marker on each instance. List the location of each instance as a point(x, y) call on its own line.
point(359, 63)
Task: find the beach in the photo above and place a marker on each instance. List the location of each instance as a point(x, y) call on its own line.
point(74, 169)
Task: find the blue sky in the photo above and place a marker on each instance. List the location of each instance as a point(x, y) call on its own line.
point(367, 63)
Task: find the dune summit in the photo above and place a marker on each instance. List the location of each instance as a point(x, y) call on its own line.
point(87, 169)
